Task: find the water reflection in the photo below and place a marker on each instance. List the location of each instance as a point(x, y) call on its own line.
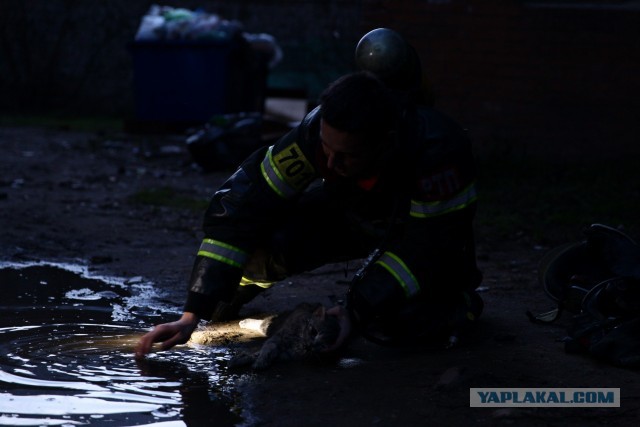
point(66, 343)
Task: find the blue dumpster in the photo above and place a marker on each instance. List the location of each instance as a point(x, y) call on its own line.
point(191, 81)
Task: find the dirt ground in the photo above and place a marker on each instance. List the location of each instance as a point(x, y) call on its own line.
point(131, 205)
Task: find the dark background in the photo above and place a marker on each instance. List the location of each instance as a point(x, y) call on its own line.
point(523, 72)
point(548, 89)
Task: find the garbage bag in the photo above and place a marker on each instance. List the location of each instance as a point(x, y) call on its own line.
point(226, 141)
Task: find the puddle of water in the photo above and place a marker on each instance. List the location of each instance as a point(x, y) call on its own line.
point(66, 356)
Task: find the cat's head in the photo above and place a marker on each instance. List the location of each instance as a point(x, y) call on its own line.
point(322, 331)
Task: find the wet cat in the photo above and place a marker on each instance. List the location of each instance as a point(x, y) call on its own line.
point(296, 335)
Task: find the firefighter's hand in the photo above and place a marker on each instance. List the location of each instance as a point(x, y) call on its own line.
point(345, 326)
point(168, 334)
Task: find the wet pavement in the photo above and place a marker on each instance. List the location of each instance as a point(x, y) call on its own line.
point(72, 197)
point(66, 342)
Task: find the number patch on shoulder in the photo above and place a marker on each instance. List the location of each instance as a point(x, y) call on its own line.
point(294, 167)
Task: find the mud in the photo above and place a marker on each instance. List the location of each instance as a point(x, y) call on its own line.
point(130, 207)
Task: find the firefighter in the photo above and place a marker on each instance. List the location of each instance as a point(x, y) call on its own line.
point(366, 175)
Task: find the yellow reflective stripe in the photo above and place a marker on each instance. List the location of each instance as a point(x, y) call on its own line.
point(261, 283)
point(223, 252)
point(431, 209)
point(398, 269)
point(274, 178)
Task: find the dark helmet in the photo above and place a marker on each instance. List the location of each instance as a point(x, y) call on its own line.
point(387, 54)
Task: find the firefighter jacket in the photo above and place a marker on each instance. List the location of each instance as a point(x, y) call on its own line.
point(424, 193)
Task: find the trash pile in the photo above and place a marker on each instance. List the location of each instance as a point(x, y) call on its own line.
point(226, 141)
point(169, 23)
point(166, 23)
point(228, 136)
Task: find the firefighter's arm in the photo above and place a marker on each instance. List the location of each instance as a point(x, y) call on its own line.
point(434, 253)
point(433, 256)
point(244, 209)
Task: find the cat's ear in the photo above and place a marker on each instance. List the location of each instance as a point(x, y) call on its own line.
point(320, 313)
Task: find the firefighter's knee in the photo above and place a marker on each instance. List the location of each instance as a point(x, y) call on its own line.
point(264, 267)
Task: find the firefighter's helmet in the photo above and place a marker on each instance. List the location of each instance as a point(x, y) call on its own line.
point(389, 56)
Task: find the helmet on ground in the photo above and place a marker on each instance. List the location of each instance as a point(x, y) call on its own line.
point(387, 54)
point(570, 272)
